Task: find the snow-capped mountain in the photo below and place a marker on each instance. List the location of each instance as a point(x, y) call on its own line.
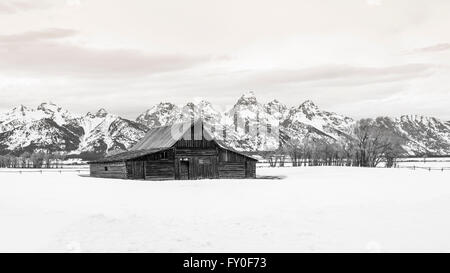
point(46, 127)
point(203, 110)
point(105, 132)
point(248, 126)
point(167, 113)
point(277, 109)
point(161, 114)
point(308, 120)
point(252, 126)
point(52, 128)
point(423, 135)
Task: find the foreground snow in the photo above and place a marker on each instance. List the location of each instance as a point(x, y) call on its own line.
point(286, 210)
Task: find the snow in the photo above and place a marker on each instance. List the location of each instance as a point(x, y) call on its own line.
point(285, 210)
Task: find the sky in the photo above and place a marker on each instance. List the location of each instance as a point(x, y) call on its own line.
point(360, 58)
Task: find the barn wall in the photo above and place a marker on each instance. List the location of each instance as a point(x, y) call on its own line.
point(250, 169)
point(202, 163)
point(235, 165)
point(230, 156)
point(115, 170)
point(135, 169)
point(160, 170)
point(231, 170)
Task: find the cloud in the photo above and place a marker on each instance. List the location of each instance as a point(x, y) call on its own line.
point(374, 2)
point(73, 2)
point(42, 52)
point(343, 75)
point(34, 36)
point(14, 6)
point(433, 48)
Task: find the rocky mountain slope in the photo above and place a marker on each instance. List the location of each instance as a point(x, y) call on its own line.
point(52, 128)
point(424, 135)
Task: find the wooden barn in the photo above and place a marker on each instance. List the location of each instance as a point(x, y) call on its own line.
point(184, 151)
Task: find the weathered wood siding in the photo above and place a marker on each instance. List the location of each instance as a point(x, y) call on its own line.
point(250, 169)
point(160, 170)
point(196, 164)
point(231, 170)
point(135, 169)
point(235, 165)
point(230, 156)
point(113, 170)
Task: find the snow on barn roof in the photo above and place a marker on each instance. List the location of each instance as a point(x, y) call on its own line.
point(162, 138)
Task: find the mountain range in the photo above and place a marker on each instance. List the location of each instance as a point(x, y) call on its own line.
point(50, 127)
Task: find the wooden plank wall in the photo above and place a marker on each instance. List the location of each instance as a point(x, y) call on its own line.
point(195, 144)
point(159, 170)
point(200, 167)
point(250, 169)
point(135, 169)
point(115, 170)
point(231, 170)
point(230, 156)
point(202, 162)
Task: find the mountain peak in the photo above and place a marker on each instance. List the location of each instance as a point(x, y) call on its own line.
point(190, 105)
point(165, 105)
point(101, 113)
point(48, 107)
point(248, 98)
point(21, 108)
point(308, 104)
point(204, 103)
point(274, 102)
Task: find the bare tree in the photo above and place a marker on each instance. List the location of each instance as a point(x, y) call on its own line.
point(295, 149)
point(271, 157)
point(25, 159)
point(375, 142)
point(37, 159)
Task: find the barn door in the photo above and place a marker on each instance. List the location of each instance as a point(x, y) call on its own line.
point(249, 169)
point(184, 170)
point(137, 170)
point(205, 168)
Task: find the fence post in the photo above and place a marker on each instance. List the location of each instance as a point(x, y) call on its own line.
point(429, 169)
point(414, 167)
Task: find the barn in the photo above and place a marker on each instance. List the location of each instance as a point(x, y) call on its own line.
point(184, 151)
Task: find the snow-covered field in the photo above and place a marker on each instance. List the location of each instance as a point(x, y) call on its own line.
point(285, 210)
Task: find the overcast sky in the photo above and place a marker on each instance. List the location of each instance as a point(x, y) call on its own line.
point(361, 58)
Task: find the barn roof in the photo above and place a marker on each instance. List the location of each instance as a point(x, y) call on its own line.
point(127, 155)
point(162, 138)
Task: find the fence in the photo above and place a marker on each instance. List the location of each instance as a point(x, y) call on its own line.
point(424, 168)
point(288, 164)
point(41, 171)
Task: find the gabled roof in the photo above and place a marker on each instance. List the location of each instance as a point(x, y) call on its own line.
point(127, 155)
point(162, 138)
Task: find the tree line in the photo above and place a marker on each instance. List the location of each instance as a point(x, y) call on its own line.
point(32, 160)
point(370, 143)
